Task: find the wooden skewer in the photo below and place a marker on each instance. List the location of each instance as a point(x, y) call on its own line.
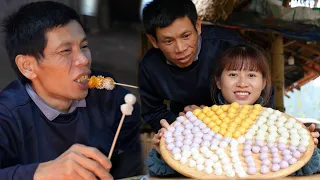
point(119, 84)
point(116, 136)
point(127, 85)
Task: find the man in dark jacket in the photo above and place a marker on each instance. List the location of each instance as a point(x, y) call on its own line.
point(51, 125)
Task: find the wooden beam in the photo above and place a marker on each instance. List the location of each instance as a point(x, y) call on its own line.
point(296, 85)
point(309, 62)
point(297, 55)
point(289, 43)
point(265, 38)
point(308, 77)
point(277, 70)
point(315, 67)
point(309, 48)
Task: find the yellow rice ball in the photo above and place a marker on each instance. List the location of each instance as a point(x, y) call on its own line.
point(231, 115)
point(223, 125)
point(201, 116)
point(228, 134)
point(218, 122)
point(214, 117)
point(196, 112)
point(225, 107)
point(245, 124)
point(205, 109)
point(236, 134)
point(242, 130)
point(219, 111)
point(222, 116)
point(244, 111)
point(214, 108)
point(235, 105)
point(231, 129)
point(233, 124)
point(252, 116)
point(237, 120)
point(222, 131)
point(242, 116)
point(206, 120)
point(226, 120)
point(211, 124)
point(256, 112)
point(210, 113)
point(257, 106)
point(216, 129)
point(246, 106)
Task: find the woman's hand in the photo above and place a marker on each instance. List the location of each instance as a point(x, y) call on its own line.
point(189, 108)
point(314, 134)
point(157, 137)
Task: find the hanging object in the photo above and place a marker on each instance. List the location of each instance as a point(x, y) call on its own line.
point(291, 60)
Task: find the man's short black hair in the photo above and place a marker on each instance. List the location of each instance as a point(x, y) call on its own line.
point(25, 30)
point(162, 13)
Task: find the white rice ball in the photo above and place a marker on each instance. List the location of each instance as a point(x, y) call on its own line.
point(126, 109)
point(130, 99)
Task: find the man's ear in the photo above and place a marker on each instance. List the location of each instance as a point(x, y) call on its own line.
point(26, 65)
point(218, 83)
point(152, 40)
point(198, 26)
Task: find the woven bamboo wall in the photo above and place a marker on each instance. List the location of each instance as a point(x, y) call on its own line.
point(146, 144)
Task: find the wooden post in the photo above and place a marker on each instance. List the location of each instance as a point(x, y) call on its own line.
point(277, 70)
point(145, 45)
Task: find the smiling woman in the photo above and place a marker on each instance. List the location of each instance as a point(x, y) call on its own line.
point(242, 76)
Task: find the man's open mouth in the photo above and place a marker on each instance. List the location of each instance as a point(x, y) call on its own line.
point(82, 79)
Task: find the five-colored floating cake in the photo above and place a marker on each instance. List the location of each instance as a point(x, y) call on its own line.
point(234, 141)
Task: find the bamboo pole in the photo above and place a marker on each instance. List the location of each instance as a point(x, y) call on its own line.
point(277, 66)
point(277, 70)
point(289, 43)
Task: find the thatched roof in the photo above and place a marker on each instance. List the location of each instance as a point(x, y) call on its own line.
point(306, 57)
point(214, 10)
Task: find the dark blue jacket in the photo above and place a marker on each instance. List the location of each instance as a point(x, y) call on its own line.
point(28, 138)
